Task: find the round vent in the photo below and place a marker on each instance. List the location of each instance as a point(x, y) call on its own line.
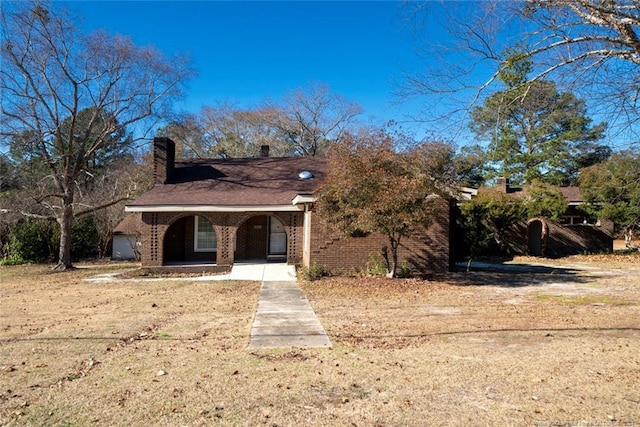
point(305, 175)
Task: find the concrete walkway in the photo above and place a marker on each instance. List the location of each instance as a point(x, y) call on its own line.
point(285, 319)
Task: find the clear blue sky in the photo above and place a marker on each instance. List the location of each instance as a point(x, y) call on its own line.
point(248, 51)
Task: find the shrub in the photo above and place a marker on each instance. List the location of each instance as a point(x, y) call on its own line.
point(31, 241)
point(403, 271)
point(312, 273)
point(375, 266)
point(84, 239)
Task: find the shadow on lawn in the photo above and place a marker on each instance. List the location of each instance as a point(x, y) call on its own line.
point(514, 275)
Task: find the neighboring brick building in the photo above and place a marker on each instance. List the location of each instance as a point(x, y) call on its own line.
point(214, 212)
point(570, 235)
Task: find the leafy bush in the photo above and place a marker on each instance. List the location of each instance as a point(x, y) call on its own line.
point(31, 242)
point(403, 271)
point(84, 239)
point(12, 259)
point(34, 240)
point(312, 273)
point(375, 266)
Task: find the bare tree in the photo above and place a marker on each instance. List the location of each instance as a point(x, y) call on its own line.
point(51, 74)
point(125, 177)
point(311, 118)
point(591, 47)
point(304, 123)
point(233, 132)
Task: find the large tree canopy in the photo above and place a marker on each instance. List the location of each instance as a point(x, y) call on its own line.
point(372, 187)
point(589, 47)
point(68, 97)
point(612, 191)
point(536, 132)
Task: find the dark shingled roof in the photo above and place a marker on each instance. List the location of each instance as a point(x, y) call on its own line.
point(572, 194)
point(260, 181)
point(131, 224)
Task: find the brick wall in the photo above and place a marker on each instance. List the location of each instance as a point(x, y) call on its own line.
point(164, 156)
point(425, 251)
point(562, 240)
point(155, 226)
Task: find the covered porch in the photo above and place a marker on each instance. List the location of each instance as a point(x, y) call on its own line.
point(215, 241)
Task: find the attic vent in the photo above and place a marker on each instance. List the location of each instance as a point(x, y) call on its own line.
point(305, 175)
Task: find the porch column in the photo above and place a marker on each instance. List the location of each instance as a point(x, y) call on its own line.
point(225, 245)
point(152, 239)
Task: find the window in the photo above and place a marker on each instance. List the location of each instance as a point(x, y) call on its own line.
point(205, 236)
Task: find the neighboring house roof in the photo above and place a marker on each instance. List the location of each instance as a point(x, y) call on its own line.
point(572, 194)
point(222, 184)
point(130, 225)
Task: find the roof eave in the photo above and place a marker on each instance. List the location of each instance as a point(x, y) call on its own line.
point(302, 199)
point(214, 208)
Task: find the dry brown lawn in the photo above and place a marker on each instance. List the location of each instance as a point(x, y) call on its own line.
point(559, 346)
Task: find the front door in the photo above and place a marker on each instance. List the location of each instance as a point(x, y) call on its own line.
point(256, 237)
point(277, 239)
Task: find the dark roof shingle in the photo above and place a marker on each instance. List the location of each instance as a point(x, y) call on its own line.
point(261, 181)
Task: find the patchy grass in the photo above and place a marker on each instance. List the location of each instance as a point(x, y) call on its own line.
point(582, 300)
point(453, 351)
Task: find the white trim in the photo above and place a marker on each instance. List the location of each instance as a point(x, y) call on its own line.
point(214, 208)
point(306, 236)
point(303, 198)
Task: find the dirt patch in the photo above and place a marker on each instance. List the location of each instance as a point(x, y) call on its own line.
point(485, 348)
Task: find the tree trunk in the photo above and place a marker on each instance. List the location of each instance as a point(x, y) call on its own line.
point(628, 240)
point(65, 221)
point(628, 235)
point(392, 264)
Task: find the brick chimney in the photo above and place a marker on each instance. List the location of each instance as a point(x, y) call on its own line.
point(264, 151)
point(502, 184)
point(164, 158)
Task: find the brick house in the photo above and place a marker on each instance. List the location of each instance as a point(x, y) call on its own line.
point(215, 212)
point(574, 233)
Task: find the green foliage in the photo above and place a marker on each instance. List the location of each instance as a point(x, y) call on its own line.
point(84, 239)
point(404, 271)
point(477, 234)
point(489, 216)
point(515, 67)
point(35, 240)
point(31, 241)
point(471, 166)
point(13, 258)
point(536, 132)
point(8, 174)
point(612, 191)
point(313, 273)
point(544, 200)
point(375, 266)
